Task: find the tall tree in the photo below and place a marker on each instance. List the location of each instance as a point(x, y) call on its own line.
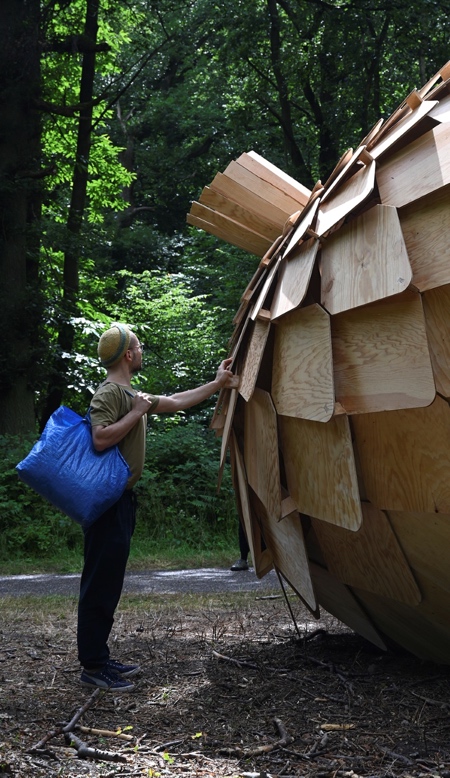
point(20, 177)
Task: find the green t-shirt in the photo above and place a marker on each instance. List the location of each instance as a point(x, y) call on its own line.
point(112, 401)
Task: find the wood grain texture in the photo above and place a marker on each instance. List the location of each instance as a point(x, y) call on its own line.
point(344, 171)
point(261, 452)
point(338, 600)
point(351, 194)
point(273, 175)
point(262, 559)
point(228, 424)
point(417, 169)
point(302, 377)
point(436, 303)
point(370, 559)
point(306, 220)
point(364, 261)
point(401, 128)
point(320, 469)
point(269, 279)
point(405, 458)
point(254, 201)
point(426, 226)
point(253, 357)
point(441, 112)
point(264, 189)
point(236, 235)
point(218, 202)
point(381, 357)
point(294, 277)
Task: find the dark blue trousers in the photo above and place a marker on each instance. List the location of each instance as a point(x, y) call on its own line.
point(106, 550)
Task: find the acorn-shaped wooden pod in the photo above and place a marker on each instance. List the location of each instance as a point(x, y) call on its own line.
point(338, 427)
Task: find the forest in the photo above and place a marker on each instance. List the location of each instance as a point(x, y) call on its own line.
point(114, 116)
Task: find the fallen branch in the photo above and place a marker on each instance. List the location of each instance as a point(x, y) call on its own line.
point(239, 662)
point(63, 728)
point(86, 752)
point(103, 732)
point(284, 741)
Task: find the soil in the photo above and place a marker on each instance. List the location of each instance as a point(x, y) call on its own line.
point(230, 686)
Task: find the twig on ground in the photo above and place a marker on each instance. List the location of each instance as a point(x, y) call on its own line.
point(284, 740)
point(86, 752)
point(239, 662)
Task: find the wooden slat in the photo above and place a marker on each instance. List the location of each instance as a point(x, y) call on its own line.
point(228, 424)
point(338, 600)
point(229, 227)
point(302, 378)
point(265, 190)
point(265, 289)
point(380, 147)
point(443, 74)
point(252, 362)
point(436, 304)
point(345, 171)
point(381, 356)
point(252, 200)
point(306, 219)
point(350, 195)
point(320, 469)
point(273, 175)
point(370, 559)
point(404, 458)
point(294, 277)
point(262, 559)
point(417, 169)
point(261, 452)
point(364, 261)
point(244, 239)
point(346, 156)
point(441, 111)
point(426, 227)
point(252, 221)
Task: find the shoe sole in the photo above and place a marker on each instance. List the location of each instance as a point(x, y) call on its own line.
point(89, 685)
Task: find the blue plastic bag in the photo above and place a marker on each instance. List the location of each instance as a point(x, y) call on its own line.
point(64, 467)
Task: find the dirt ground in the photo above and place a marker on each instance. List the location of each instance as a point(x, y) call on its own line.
point(229, 687)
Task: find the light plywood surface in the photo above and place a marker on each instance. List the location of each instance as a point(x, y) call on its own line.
point(306, 219)
point(262, 559)
point(351, 194)
point(417, 169)
point(228, 424)
point(405, 457)
point(320, 469)
point(239, 213)
point(381, 357)
point(302, 377)
point(261, 452)
point(236, 235)
point(364, 261)
point(441, 112)
point(370, 559)
point(264, 189)
point(251, 200)
point(426, 227)
point(273, 175)
point(294, 277)
point(401, 128)
point(338, 600)
point(253, 357)
point(351, 162)
point(436, 304)
point(266, 286)
point(224, 223)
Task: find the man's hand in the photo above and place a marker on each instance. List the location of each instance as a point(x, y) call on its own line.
point(223, 374)
point(142, 402)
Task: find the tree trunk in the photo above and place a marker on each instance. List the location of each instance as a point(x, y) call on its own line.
point(19, 208)
point(75, 217)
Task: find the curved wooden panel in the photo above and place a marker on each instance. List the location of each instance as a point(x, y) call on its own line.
point(302, 378)
point(261, 452)
point(320, 469)
point(426, 225)
point(436, 303)
point(295, 274)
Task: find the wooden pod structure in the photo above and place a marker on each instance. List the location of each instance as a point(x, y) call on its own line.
point(339, 422)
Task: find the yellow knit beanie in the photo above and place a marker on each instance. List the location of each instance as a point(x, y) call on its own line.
point(113, 344)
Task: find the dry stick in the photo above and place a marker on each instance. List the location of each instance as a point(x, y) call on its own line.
point(239, 662)
point(285, 740)
point(63, 728)
point(103, 732)
point(288, 603)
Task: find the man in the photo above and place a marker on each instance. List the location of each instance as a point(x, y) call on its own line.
point(119, 416)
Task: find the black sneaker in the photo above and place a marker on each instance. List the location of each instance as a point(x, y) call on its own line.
point(106, 679)
point(126, 671)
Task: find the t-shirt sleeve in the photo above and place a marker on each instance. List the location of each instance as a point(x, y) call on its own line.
point(106, 406)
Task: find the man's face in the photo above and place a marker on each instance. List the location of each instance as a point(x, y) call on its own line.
point(136, 349)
